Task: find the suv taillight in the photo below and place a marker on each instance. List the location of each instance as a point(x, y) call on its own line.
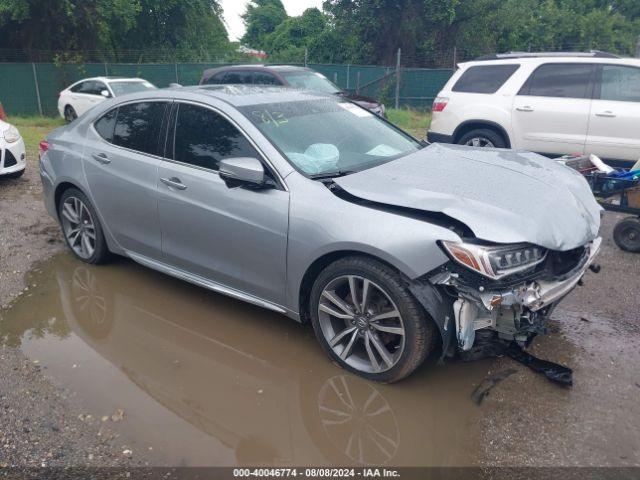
point(439, 104)
point(43, 147)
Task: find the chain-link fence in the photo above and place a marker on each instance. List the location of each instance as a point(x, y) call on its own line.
point(32, 87)
point(29, 83)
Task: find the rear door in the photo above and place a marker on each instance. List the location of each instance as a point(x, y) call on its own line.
point(121, 165)
point(614, 127)
point(550, 113)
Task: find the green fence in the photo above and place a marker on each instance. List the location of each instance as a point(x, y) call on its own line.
point(32, 88)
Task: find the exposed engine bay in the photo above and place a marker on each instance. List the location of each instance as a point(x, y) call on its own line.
point(515, 308)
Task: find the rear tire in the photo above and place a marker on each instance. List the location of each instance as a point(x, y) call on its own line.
point(483, 138)
point(385, 349)
point(81, 227)
point(626, 234)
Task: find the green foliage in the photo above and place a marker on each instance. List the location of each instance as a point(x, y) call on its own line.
point(416, 122)
point(192, 28)
point(262, 18)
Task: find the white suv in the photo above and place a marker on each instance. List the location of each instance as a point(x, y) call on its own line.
point(554, 104)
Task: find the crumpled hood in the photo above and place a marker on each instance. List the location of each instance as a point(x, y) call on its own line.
point(503, 196)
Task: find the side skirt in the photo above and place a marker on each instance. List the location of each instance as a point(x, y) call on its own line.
point(203, 282)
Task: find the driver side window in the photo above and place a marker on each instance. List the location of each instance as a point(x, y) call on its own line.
point(203, 138)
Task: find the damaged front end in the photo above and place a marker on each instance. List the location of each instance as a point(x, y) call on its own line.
point(509, 290)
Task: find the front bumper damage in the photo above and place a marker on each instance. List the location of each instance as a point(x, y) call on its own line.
point(516, 313)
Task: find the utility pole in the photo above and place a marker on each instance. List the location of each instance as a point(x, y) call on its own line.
point(306, 56)
point(455, 58)
point(397, 104)
point(638, 48)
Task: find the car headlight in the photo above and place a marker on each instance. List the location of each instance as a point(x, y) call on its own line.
point(495, 261)
point(11, 134)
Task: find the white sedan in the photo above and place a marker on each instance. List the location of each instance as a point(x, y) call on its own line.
point(13, 157)
point(85, 94)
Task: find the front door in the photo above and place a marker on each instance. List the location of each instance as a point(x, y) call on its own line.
point(228, 234)
point(550, 114)
point(121, 163)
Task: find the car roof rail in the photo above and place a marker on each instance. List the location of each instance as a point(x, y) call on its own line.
point(508, 55)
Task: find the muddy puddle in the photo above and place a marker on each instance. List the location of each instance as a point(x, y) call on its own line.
point(207, 380)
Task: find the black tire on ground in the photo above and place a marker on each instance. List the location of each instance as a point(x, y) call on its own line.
point(17, 174)
point(485, 137)
point(420, 331)
point(101, 251)
point(70, 114)
point(626, 234)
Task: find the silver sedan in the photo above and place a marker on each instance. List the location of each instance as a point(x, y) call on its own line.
point(311, 206)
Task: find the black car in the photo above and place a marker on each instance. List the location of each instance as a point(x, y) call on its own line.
point(285, 75)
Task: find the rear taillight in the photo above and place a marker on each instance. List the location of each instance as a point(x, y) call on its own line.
point(43, 147)
point(439, 104)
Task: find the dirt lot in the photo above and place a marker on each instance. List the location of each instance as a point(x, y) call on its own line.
point(103, 385)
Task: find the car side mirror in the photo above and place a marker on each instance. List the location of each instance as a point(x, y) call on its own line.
point(105, 94)
point(243, 170)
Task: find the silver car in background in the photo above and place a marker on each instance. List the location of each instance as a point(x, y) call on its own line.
point(311, 206)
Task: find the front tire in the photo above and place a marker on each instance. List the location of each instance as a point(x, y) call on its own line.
point(70, 114)
point(81, 228)
point(482, 138)
point(368, 322)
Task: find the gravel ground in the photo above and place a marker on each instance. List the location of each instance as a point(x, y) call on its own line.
point(40, 423)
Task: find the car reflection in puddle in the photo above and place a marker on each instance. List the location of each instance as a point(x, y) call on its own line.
point(208, 380)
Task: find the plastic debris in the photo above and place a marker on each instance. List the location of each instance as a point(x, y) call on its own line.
point(553, 371)
point(482, 390)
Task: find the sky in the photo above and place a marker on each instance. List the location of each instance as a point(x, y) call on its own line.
point(234, 8)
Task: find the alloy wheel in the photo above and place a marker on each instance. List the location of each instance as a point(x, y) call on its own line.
point(481, 142)
point(361, 324)
point(78, 226)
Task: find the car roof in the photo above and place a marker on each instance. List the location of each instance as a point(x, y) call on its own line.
point(560, 58)
point(258, 67)
point(235, 95)
point(112, 79)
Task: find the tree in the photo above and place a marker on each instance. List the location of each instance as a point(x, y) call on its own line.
point(177, 29)
point(261, 19)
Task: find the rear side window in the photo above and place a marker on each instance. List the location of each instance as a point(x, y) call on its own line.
point(138, 126)
point(263, 78)
point(238, 77)
point(203, 138)
point(620, 83)
point(106, 124)
point(560, 80)
point(216, 79)
point(484, 78)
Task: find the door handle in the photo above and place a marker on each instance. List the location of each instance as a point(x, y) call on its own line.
point(607, 114)
point(524, 109)
point(101, 158)
point(174, 182)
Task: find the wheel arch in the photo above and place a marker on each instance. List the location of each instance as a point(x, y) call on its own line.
point(469, 125)
point(59, 191)
point(314, 269)
point(432, 300)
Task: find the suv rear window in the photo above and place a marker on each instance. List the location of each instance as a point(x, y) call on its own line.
point(560, 80)
point(484, 78)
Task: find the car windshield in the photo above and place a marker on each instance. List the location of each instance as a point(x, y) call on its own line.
point(122, 88)
point(310, 81)
point(329, 136)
